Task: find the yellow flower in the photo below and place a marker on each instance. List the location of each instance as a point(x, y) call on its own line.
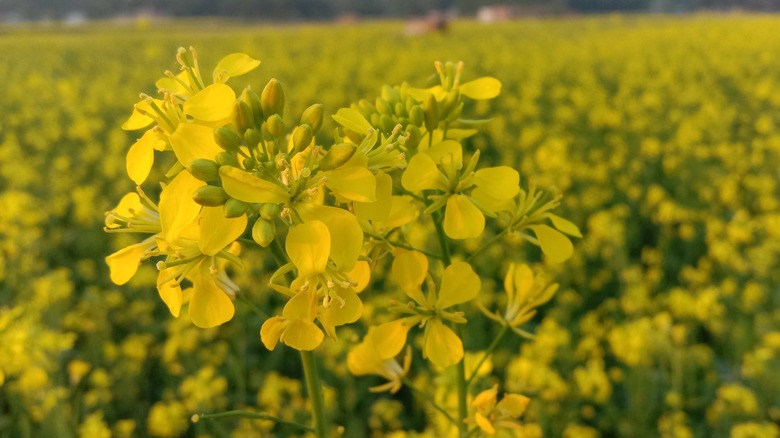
point(365, 359)
point(324, 289)
point(467, 194)
point(524, 294)
point(490, 415)
point(459, 284)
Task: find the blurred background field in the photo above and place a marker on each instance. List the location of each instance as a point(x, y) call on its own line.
point(662, 132)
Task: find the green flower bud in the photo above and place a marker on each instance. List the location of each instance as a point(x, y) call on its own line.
point(337, 156)
point(210, 196)
point(312, 116)
point(249, 163)
point(252, 138)
point(450, 102)
point(415, 136)
point(431, 110)
point(235, 208)
point(416, 116)
point(275, 126)
point(386, 123)
point(375, 119)
point(269, 211)
point(383, 106)
point(227, 159)
point(390, 95)
point(400, 110)
point(301, 137)
point(272, 98)
point(263, 232)
point(204, 170)
point(227, 138)
point(243, 117)
point(253, 100)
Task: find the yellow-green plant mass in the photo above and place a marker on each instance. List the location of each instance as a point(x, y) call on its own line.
point(413, 240)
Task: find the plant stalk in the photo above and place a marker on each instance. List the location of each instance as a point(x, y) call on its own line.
point(314, 388)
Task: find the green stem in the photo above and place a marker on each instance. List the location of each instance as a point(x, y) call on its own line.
point(253, 415)
point(402, 245)
point(314, 388)
point(463, 409)
point(252, 306)
point(489, 350)
point(487, 244)
point(427, 397)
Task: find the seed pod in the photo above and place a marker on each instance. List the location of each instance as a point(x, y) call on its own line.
point(337, 156)
point(302, 136)
point(227, 159)
point(204, 170)
point(253, 100)
point(272, 98)
point(431, 110)
point(235, 208)
point(275, 126)
point(210, 196)
point(455, 114)
point(312, 116)
point(263, 232)
point(227, 138)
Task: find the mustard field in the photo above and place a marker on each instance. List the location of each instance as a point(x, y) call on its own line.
point(657, 138)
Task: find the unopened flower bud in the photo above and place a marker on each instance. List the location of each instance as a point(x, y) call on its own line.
point(253, 100)
point(227, 159)
point(302, 136)
point(431, 110)
point(337, 156)
point(252, 138)
point(450, 101)
point(269, 211)
point(235, 208)
point(272, 98)
point(416, 116)
point(383, 106)
point(263, 232)
point(312, 116)
point(275, 126)
point(227, 138)
point(413, 137)
point(386, 123)
point(210, 196)
point(249, 163)
point(243, 117)
point(204, 170)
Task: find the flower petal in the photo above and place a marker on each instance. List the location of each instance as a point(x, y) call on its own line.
point(209, 305)
point(554, 244)
point(345, 308)
point(390, 337)
point(345, 250)
point(353, 183)
point(302, 335)
point(218, 231)
point(564, 225)
point(352, 119)
point(177, 209)
point(379, 209)
point(501, 182)
point(446, 148)
point(409, 270)
point(170, 291)
point(211, 104)
point(459, 284)
point(421, 174)
point(481, 89)
point(248, 188)
point(308, 246)
point(442, 346)
point(272, 330)
point(462, 219)
point(140, 158)
point(513, 405)
point(235, 64)
point(191, 141)
point(123, 264)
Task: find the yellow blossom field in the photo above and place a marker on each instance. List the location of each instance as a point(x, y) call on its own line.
point(656, 137)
